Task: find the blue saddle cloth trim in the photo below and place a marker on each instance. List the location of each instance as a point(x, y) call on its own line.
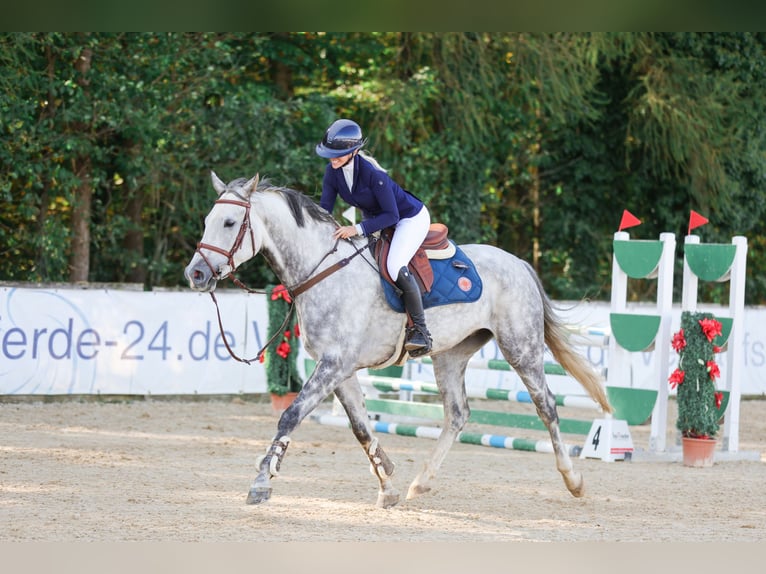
point(455, 281)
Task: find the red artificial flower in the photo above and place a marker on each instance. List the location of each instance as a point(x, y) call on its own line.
point(713, 370)
point(716, 349)
point(718, 399)
point(280, 291)
point(283, 349)
point(676, 378)
point(297, 330)
point(287, 334)
point(678, 342)
point(711, 328)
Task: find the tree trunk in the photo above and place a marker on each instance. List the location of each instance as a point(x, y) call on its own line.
point(80, 259)
point(83, 196)
point(281, 73)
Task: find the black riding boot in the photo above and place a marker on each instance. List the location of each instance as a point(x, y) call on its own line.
point(418, 340)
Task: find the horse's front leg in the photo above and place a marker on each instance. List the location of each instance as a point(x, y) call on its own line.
point(350, 395)
point(449, 372)
point(313, 392)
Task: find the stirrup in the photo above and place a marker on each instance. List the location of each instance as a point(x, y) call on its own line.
point(419, 351)
point(417, 341)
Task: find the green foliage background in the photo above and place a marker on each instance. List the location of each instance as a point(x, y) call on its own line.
point(533, 142)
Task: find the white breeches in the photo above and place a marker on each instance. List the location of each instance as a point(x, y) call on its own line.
point(409, 235)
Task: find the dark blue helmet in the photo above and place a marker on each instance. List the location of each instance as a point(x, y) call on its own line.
point(341, 138)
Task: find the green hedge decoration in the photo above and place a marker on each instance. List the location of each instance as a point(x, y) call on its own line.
point(700, 405)
point(282, 375)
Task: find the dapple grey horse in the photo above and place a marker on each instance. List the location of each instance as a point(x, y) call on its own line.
point(346, 323)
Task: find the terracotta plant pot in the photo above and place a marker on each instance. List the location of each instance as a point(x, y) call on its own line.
point(698, 452)
point(280, 402)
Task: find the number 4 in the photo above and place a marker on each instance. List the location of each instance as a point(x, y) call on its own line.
point(596, 438)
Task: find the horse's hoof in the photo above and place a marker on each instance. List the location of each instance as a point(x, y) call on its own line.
point(416, 490)
point(259, 494)
point(387, 499)
point(577, 487)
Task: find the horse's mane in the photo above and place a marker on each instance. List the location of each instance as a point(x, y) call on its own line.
point(299, 204)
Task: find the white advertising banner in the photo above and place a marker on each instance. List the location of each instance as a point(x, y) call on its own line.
point(58, 341)
point(111, 341)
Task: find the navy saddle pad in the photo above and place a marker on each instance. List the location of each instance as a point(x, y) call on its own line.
point(455, 281)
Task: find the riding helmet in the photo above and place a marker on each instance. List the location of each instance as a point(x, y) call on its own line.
point(341, 138)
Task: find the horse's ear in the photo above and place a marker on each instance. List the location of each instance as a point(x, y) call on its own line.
point(251, 185)
point(218, 185)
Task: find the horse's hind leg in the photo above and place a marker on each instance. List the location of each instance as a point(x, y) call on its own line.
point(350, 395)
point(545, 403)
point(449, 371)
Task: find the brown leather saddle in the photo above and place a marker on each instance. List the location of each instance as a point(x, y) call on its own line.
point(435, 246)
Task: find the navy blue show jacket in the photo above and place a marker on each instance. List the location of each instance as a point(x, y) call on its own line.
point(382, 201)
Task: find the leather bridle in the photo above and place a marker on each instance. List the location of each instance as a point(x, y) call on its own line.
point(243, 228)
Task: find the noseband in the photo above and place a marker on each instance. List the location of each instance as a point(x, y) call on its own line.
point(237, 242)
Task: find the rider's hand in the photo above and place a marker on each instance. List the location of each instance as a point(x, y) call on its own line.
point(345, 232)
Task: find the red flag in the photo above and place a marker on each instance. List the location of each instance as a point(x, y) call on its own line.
point(628, 220)
point(695, 220)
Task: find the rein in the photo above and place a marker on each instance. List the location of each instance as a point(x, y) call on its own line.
point(263, 349)
point(311, 281)
point(293, 291)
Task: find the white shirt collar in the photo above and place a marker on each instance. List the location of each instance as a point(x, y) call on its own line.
point(348, 174)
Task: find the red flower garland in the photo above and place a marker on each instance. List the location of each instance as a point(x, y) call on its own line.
point(282, 375)
point(283, 349)
point(678, 342)
point(676, 378)
point(711, 328)
point(718, 399)
point(713, 370)
point(281, 291)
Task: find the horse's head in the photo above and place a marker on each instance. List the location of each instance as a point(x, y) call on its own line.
point(229, 238)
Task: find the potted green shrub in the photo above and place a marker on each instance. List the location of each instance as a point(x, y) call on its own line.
point(282, 377)
point(699, 404)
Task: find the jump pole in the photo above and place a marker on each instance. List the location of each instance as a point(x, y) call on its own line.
point(630, 404)
point(490, 440)
point(392, 384)
point(435, 411)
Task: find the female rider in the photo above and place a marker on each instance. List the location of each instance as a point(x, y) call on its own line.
point(362, 183)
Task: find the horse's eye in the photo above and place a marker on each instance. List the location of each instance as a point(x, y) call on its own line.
point(229, 223)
